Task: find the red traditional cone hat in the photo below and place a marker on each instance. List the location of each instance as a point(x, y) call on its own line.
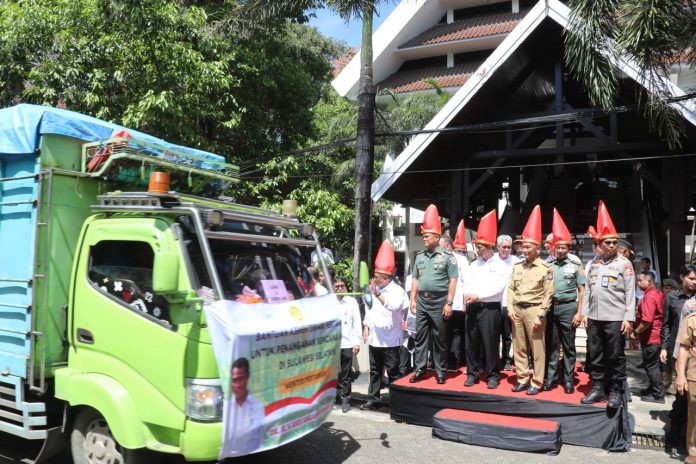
point(605, 226)
point(532, 231)
point(384, 262)
point(592, 233)
point(460, 237)
point(431, 221)
point(487, 232)
point(561, 234)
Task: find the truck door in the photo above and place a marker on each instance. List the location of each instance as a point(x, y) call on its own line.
point(120, 326)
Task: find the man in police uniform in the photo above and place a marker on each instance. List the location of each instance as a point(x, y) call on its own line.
point(610, 307)
point(432, 295)
point(530, 292)
point(566, 313)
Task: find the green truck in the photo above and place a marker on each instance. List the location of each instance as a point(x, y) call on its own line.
point(103, 341)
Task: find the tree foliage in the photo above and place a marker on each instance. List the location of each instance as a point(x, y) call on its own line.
point(653, 34)
point(182, 70)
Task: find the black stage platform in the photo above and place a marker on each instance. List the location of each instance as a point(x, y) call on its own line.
point(585, 425)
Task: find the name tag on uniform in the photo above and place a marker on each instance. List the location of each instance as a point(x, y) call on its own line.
point(605, 281)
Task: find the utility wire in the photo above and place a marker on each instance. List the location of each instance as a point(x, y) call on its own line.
point(515, 166)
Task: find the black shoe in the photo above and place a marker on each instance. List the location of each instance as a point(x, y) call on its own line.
point(345, 406)
point(508, 366)
point(520, 387)
point(568, 388)
point(440, 379)
point(548, 386)
point(369, 406)
point(595, 396)
point(614, 399)
point(533, 390)
point(650, 398)
point(471, 381)
point(493, 384)
point(420, 373)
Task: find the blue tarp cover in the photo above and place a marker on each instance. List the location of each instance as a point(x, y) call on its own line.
point(21, 127)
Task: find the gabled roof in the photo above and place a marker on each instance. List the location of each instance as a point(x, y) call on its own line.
point(552, 9)
point(415, 79)
point(466, 29)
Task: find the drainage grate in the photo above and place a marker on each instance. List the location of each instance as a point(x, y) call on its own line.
point(648, 440)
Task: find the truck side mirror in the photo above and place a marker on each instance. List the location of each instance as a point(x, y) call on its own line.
point(165, 275)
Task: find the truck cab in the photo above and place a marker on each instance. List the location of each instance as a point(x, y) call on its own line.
point(108, 349)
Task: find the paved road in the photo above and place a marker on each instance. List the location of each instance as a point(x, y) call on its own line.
point(367, 437)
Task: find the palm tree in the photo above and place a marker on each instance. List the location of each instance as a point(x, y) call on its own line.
point(654, 33)
point(362, 10)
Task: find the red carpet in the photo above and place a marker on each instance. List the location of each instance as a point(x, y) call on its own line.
point(455, 383)
point(496, 419)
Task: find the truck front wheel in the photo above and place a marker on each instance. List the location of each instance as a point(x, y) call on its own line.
point(91, 442)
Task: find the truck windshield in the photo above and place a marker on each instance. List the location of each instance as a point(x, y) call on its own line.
point(249, 271)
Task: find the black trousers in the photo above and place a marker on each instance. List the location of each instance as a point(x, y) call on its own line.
point(344, 380)
point(483, 322)
point(651, 363)
point(431, 327)
point(506, 336)
point(560, 332)
point(406, 363)
point(607, 357)
point(382, 358)
point(457, 350)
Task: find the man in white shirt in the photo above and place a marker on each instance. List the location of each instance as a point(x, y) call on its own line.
point(483, 290)
point(457, 323)
point(504, 245)
point(243, 415)
point(325, 252)
point(318, 280)
point(350, 340)
point(382, 324)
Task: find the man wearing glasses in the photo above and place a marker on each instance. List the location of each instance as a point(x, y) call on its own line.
point(610, 307)
point(432, 296)
point(483, 290)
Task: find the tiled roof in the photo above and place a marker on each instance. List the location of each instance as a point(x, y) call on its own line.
point(414, 79)
point(470, 28)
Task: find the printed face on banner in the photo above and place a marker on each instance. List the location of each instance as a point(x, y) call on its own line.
point(278, 365)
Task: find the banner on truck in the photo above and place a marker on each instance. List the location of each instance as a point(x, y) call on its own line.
point(278, 367)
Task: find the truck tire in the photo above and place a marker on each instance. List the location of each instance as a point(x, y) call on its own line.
point(91, 442)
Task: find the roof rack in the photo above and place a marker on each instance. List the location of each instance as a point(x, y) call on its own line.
point(128, 160)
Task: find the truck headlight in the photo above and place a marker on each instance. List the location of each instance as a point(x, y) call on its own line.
point(204, 400)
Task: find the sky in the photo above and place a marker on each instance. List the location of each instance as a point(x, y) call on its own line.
point(332, 25)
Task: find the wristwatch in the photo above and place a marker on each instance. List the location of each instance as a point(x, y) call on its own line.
point(541, 317)
point(450, 302)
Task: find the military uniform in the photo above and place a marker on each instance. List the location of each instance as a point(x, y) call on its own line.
point(609, 300)
point(530, 293)
point(568, 276)
point(687, 338)
point(433, 271)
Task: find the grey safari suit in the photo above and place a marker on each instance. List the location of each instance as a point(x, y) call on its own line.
point(610, 299)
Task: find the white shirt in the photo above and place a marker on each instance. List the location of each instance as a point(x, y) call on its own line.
point(509, 262)
point(462, 267)
point(486, 279)
point(320, 289)
point(326, 253)
point(384, 319)
point(350, 322)
point(242, 426)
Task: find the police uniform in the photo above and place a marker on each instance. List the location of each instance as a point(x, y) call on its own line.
point(530, 293)
point(687, 339)
point(568, 276)
point(433, 270)
point(609, 300)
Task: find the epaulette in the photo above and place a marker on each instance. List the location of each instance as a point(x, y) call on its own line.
point(575, 261)
point(690, 315)
point(546, 264)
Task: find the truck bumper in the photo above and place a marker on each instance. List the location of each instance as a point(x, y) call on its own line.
point(201, 441)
